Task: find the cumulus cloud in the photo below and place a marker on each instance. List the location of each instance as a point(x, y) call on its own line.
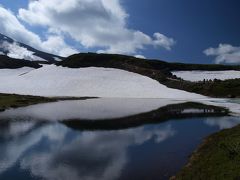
point(56, 45)
point(12, 27)
point(162, 40)
point(224, 53)
point(93, 23)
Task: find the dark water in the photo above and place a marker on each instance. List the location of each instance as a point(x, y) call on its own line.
point(114, 139)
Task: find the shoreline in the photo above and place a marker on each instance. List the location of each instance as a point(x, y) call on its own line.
point(217, 157)
point(15, 100)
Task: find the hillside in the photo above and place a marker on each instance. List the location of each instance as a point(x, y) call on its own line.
point(10, 63)
point(160, 71)
point(123, 61)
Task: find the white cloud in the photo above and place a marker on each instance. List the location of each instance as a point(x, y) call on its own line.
point(163, 41)
point(56, 45)
point(93, 23)
point(12, 27)
point(224, 53)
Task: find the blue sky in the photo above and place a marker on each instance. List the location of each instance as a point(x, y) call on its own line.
point(194, 26)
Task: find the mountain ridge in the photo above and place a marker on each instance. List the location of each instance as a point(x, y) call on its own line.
point(50, 58)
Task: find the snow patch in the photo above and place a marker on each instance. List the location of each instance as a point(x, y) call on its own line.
point(16, 51)
point(95, 82)
point(6, 74)
point(57, 59)
point(195, 76)
point(140, 56)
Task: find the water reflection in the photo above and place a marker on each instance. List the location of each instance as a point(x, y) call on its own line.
point(91, 155)
point(91, 109)
point(128, 146)
point(83, 155)
point(223, 122)
point(13, 143)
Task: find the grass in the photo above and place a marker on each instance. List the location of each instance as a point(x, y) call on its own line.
point(217, 158)
point(216, 88)
point(14, 101)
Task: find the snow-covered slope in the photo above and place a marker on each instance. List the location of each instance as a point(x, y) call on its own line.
point(17, 50)
point(95, 82)
point(13, 73)
point(207, 75)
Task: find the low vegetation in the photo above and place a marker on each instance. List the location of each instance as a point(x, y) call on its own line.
point(216, 88)
point(14, 101)
point(160, 71)
point(10, 63)
point(217, 158)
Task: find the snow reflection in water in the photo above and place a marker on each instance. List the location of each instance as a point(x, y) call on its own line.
point(102, 108)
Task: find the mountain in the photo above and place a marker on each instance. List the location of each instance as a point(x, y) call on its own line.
point(18, 50)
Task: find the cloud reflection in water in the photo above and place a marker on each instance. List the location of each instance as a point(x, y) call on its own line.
point(87, 155)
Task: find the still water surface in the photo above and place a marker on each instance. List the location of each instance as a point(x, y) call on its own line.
point(104, 138)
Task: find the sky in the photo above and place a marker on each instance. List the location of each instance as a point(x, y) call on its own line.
point(189, 31)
